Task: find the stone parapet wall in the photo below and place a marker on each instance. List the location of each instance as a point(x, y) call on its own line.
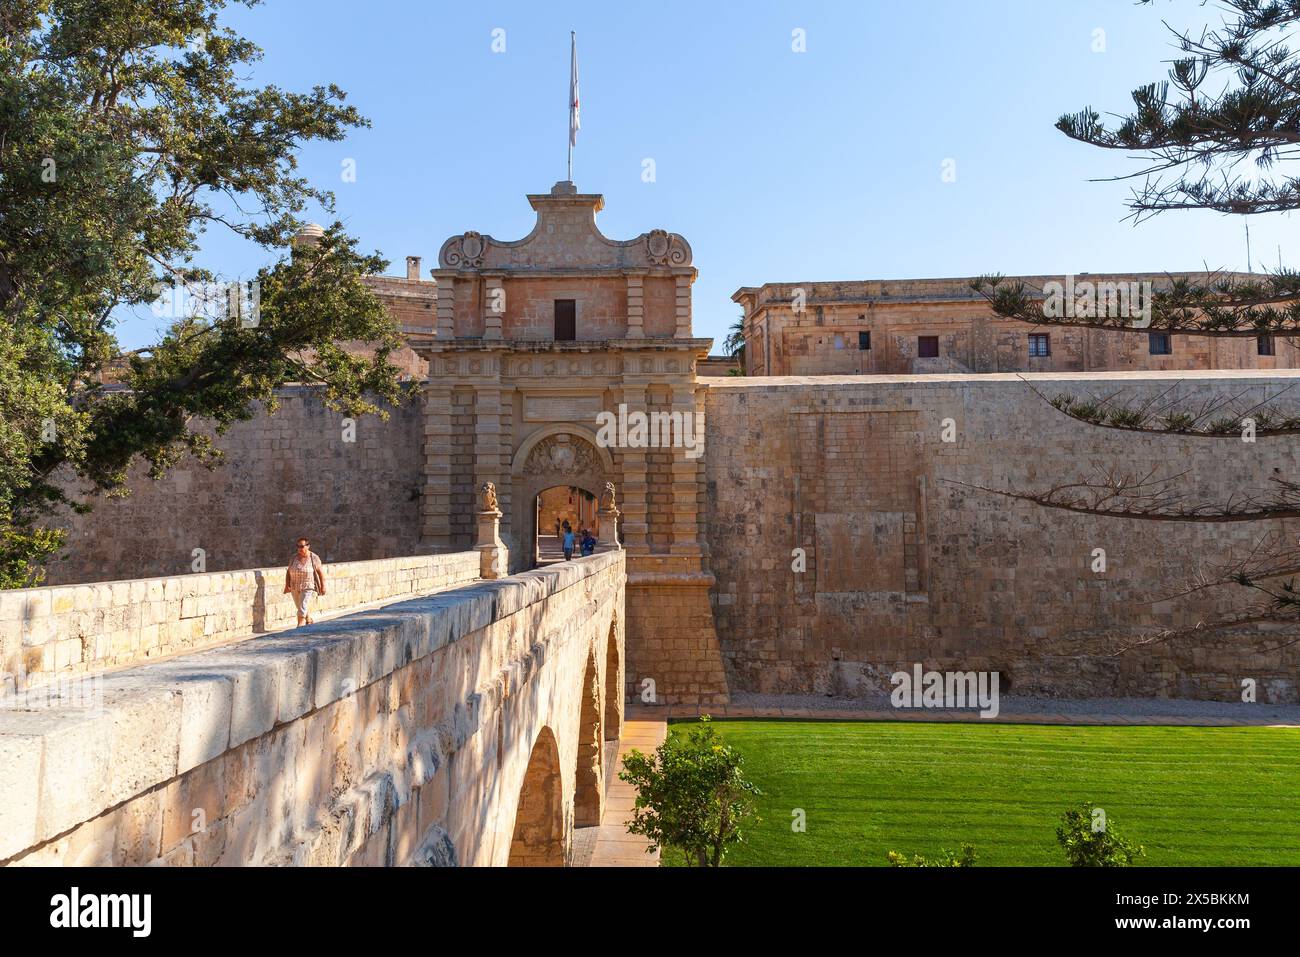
point(73, 629)
point(395, 736)
point(906, 561)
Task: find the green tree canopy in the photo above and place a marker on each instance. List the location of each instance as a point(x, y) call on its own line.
point(127, 132)
point(1217, 134)
point(692, 794)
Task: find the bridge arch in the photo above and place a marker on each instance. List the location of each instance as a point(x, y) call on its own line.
point(588, 796)
point(615, 689)
point(538, 835)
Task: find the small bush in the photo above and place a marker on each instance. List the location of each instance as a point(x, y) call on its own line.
point(947, 859)
point(1090, 839)
point(692, 795)
point(1127, 418)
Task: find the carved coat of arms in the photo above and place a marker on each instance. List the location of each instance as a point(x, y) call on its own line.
point(560, 454)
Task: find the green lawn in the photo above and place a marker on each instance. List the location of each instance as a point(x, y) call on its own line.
point(1192, 796)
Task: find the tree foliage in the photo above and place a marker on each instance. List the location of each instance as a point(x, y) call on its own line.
point(1089, 839)
point(1231, 100)
point(966, 858)
point(1216, 134)
point(692, 795)
point(1220, 304)
point(126, 132)
point(734, 344)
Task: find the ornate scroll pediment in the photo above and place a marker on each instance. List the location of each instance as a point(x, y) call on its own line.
point(565, 237)
point(666, 249)
point(464, 250)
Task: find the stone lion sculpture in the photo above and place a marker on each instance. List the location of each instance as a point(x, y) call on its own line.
point(608, 504)
point(489, 491)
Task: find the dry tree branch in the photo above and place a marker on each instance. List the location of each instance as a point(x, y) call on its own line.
point(1204, 628)
point(1166, 413)
point(1117, 494)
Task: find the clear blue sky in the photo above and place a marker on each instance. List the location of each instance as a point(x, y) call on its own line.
point(775, 165)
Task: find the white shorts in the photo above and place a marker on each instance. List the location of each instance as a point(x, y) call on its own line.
point(302, 599)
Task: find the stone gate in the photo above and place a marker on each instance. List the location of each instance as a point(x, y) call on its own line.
point(528, 342)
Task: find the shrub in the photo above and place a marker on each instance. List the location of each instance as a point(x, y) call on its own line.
point(692, 795)
point(1090, 839)
point(947, 859)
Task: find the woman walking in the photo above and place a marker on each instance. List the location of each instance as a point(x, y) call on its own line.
point(304, 578)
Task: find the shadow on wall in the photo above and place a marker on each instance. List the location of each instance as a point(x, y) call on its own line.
point(259, 602)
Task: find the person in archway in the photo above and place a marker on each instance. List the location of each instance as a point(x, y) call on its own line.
point(568, 542)
point(304, 579)
point(588, 544)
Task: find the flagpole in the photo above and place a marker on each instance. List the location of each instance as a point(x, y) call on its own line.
point(573, 65)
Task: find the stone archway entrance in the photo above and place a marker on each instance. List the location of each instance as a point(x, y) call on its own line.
point(574, 505)
point(566, 458)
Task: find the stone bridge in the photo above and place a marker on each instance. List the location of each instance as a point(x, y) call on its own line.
point(468, 727)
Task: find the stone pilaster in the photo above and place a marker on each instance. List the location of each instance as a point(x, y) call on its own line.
point(672, 640)
point(683, 304)
point(494, 305)
point(636, 518)
point(435, 501)
point(487, 433)
point(686, 471)
point(446, 328)
point(635, 306)
point(505, 487)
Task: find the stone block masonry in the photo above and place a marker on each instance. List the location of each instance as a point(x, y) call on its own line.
point(875, 327)
point(460, 728)
point(675, 657)
point(75, 629)
point(906, 562)
point(284, 475)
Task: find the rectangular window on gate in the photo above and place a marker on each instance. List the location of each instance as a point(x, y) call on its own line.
point(1265, 345)
point(927, 347)
point(566, 320)
point(1039, 344)
point(1160, 344)
point(864, 340)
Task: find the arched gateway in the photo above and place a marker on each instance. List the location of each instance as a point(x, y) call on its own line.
point(561, 456)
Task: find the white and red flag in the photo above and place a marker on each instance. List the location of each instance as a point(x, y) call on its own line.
point(574, 121)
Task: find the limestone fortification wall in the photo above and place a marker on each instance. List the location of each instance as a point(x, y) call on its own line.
point(906, 563)
point(397, 736)
point(285, 475)
point(73, 629)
